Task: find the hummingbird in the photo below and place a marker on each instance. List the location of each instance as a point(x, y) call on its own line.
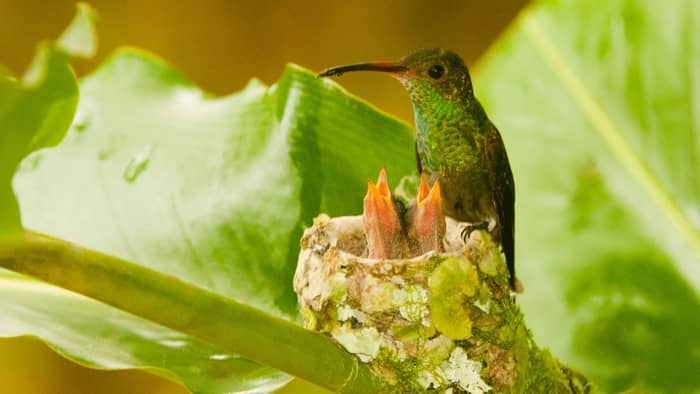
point(382, 218)
point(456, 143)
point(425, 219)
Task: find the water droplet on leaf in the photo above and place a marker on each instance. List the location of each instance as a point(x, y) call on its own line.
point(173, 343)
point(32, 162)
point(81, 122)
point(220, 357)
point(80, 126)
point(137, 164)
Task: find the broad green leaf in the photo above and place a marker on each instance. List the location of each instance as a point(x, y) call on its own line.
point(79, 39)
point(598, 104)
point(214, 191)
point(37, 111)
point(188, 309)
point(93, 334)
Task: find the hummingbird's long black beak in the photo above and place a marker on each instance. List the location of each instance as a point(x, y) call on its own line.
point(387, 67)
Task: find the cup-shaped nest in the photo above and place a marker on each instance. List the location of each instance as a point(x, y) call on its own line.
point(438, 321)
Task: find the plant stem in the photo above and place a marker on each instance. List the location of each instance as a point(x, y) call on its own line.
point(186, 308)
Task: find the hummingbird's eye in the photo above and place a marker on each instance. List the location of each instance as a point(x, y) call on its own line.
point(436, 71)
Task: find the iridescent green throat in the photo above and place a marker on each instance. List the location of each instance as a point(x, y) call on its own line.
point(447, 130)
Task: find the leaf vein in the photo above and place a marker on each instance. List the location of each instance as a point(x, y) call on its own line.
point(612, 136)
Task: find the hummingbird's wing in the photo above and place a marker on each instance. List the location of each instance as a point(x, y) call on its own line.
point(504, 193)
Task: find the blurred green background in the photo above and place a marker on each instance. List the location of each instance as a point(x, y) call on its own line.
point(220, 45)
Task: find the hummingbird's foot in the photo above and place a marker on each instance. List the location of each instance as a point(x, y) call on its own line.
point(381, 221)
point(426, 219)
point(469, 228)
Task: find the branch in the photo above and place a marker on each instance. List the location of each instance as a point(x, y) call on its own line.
point(183, 307)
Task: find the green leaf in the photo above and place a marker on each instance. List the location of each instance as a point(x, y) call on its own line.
point(35, 113)
point(187, 309)
point(80, 39)
point(92, 334)
point(213, 191)
point(598, 106)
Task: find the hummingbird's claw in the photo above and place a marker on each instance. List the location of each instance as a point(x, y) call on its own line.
point(470, 228)
point(427, 219)
point(381, 221)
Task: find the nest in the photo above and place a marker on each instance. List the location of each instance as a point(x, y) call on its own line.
point(439, 321)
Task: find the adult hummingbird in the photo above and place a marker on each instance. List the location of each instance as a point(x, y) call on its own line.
point(456, 143)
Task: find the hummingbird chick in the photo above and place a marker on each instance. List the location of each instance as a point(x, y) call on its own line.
point(456, 143)
point(393, 232)
point(382, 221)
point(426, 219)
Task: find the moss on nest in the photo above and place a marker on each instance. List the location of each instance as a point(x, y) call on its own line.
point(439, 322)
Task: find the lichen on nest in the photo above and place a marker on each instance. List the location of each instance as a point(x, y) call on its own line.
point(428, 309)
point(412, 319)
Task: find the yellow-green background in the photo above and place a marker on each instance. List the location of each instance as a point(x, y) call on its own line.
point(220, 45)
